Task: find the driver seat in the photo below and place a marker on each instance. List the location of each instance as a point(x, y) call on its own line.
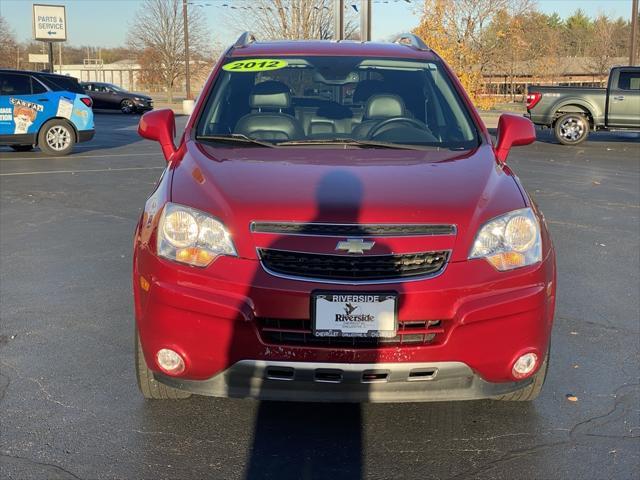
point(379, 107)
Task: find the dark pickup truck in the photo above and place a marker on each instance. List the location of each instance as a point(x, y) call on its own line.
point(573, 112)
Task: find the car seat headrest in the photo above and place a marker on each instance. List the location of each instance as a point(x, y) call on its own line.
point(384, 106)
point(270, 94)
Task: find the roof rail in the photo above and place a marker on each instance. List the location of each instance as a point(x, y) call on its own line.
point(411, 40)
point(245, 39)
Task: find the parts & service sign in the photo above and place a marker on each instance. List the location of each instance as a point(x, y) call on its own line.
point(49, 23)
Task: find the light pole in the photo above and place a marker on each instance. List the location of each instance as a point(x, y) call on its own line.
point(185, 18)
point(365, 20)
point(338, 19)
point(633, 52)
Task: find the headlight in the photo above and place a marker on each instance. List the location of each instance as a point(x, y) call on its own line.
point(509, 241)
point(190, 236)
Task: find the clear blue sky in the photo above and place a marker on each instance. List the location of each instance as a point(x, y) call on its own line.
point(105, 22)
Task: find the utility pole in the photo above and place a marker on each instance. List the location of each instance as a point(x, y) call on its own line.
point(633, 53)
point(51, 61)
point(338, 19)
point(185, 18)
point(365, 20)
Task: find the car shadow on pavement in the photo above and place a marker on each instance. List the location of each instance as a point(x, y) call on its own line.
point(303, 440)
point(288, 440)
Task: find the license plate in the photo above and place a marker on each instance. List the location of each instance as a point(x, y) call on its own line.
point(354, 315)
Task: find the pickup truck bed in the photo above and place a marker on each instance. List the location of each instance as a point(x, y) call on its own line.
point(573, 112)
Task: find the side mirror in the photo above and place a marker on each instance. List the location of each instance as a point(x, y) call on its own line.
point(159, 125)
point(513, 130)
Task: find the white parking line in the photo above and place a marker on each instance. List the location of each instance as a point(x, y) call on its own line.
point(80, 171)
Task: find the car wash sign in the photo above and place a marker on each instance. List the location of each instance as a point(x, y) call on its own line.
point(49, 23)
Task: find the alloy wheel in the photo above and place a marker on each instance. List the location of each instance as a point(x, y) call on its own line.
point(126, 106)
point(58, 138)
point(573, 128)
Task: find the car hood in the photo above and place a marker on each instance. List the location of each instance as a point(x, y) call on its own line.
point(338, 185)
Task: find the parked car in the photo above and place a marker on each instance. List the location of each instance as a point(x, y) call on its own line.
point(306, 248)
point(573, 112)
point(45, 110)
point(110, 96)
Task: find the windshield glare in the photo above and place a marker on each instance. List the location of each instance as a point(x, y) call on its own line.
point(116, 88)
point(314, 99)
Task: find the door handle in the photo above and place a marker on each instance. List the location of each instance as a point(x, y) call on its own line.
point(43, 99)
point(619, 97)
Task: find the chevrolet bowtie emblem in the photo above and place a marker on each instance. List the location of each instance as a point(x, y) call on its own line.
point(355, 245)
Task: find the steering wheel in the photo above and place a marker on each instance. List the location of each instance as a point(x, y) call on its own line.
point(389, 121)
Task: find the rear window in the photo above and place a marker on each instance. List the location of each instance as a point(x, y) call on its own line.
point(312, 98)
point(59, 83)
point(629, 80)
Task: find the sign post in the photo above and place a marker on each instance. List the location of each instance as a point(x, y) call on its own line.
point(49, 25)
point(365, 20)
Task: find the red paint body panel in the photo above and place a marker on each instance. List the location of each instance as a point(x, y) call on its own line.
point(160, 125)
point(376, 186)
point(516, 131)
point(210, 314)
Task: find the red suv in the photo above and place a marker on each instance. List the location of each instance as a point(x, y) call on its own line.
point(336, 225)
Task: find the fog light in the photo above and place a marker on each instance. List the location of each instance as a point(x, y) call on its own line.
point(170, 362)
point(525, 364)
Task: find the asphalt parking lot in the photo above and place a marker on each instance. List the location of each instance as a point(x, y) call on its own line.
point(69, 405)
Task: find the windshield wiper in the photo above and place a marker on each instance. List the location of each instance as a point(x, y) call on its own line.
point(353, 141)
point(234, 138)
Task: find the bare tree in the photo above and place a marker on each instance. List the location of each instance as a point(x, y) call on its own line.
point(603, 49)
point(7, 45)
point(158, 33)
point(292, 19)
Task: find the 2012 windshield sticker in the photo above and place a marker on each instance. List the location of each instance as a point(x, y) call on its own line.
point(255, 65)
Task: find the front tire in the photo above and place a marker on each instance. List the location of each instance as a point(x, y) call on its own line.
point(571, 128)
point(56, 137)
point(127, 106)
point(149, 386)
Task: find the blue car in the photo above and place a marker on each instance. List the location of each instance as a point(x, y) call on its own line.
point(45, 110)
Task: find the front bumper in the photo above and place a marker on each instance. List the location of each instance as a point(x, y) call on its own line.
point(346, 382)
point(210, 316)
point(143, 106)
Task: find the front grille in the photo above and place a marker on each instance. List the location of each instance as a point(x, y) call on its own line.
point(345, 230)
point(355, 268)
point(298, 332)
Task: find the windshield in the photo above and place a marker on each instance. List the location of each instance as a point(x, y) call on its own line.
point(115, 88)
point(315, 100)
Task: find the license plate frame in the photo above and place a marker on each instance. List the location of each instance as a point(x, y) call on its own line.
point(322, 326)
